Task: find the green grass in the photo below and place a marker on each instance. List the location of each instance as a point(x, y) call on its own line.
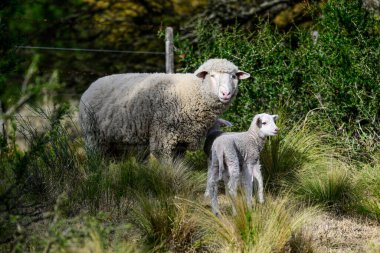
point(367, 182)
point(329, 186)
point(291, 150)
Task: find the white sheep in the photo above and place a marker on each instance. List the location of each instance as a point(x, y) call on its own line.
point(162, 113)
point(235, 158)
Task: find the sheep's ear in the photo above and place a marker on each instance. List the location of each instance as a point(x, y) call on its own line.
point(275, 117)
point(242, 75)
point(258, 122)
point(201, 74)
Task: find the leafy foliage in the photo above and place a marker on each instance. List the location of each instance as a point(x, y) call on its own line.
point(336, 73)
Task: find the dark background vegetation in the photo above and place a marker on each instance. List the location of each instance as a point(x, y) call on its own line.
point(316, 63)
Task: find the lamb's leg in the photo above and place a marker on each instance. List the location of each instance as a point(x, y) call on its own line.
point(259, 178)
point(225, 179)
point(234, 174)
point(247, 184)
point(211, 165)
point(212, 184)
point(214, 190)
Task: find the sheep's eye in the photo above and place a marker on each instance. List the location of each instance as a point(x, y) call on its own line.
point(234, 76)
point(212, 75)
point(264, 123)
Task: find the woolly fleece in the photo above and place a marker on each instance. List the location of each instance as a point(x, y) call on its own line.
point(161, 113)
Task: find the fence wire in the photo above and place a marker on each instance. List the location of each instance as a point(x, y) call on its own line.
point(91, 50)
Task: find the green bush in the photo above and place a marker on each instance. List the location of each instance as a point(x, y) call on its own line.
point(337, 74)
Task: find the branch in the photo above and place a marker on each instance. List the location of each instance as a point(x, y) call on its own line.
point(264, 6)
point(14, 108)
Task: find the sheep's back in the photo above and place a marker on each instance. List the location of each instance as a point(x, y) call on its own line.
point(124, 105)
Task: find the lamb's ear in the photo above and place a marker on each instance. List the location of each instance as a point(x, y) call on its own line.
point(201, 74)
point(275, 117)
point(242, 75)
point(224, 122)
point(258, 122)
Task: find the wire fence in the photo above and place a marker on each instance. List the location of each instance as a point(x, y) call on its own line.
point(169, 60)
point(90, 50)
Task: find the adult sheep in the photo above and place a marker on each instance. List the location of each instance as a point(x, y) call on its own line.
point(162, 113)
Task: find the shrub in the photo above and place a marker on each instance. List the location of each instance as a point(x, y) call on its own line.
point(337, 74)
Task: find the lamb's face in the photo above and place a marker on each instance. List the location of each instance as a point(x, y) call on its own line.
point(223, 85)
point(266, 124)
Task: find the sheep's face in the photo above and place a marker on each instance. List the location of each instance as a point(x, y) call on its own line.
point(223, 85)
point(266, 124)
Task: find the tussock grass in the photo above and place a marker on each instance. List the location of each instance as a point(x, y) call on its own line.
point(367, 182)
point(307, 163)
point(289, 152)
point(266, 228)
point(329, 186)
point(88, 234)
point(164, 224)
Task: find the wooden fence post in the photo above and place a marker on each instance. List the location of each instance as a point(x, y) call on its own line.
point(169, 55)
point(3, 131)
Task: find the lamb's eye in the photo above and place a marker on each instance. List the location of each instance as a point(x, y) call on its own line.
point(212, 75)
point(233, 76)
point(264, 123)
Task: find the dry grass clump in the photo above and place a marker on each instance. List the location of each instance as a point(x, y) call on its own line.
point(266, 228)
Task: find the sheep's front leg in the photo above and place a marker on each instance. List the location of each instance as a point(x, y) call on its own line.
point(247, 184)
point(259, 179)
point(162, 145)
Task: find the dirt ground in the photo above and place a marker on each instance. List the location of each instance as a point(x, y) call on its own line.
point(341, 234)
point(331, 233)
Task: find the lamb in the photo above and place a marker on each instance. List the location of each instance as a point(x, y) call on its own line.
point(164, 114)
point(235, 156)
point(213, 133)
